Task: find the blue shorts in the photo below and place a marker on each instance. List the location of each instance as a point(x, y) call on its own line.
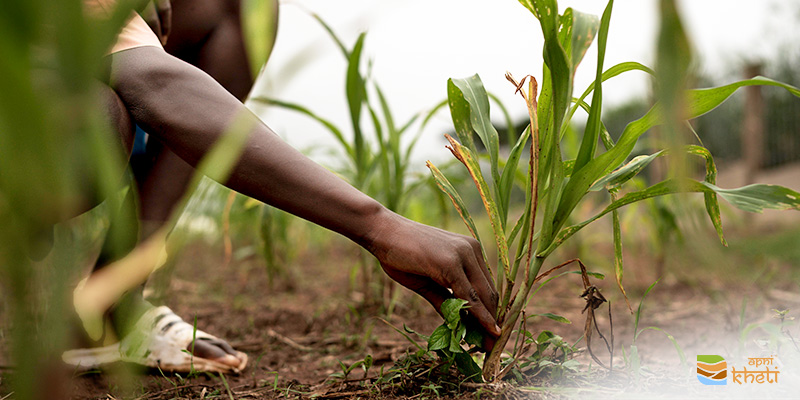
point(139, 142)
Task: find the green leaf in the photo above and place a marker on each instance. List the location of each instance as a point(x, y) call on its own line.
point(616, 231)
point(753, 198)
point(509, 171)
point(698, 102)
point(701, 101)
point(467, 158)
point(467, 366)
point(259, 29)
point(474, 337)
point(451, 310)
point(554, 317)
point(461, 114)
point(474, 93)
point(337, 133)
point(455, 338)
point(584, 27)
point(639, 309)
point(440, 338)
point(625, 173)
point(757, 198)
point(709, 198)
point(608, 74)
point(458, 202)
point(529, 5)
point(333, 35)
point(592, 131)
point(543, 340)
point(356, 96)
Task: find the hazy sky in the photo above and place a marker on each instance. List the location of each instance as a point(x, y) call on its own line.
point(416, 45)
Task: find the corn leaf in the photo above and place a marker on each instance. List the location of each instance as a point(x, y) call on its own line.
point(337, 133)
point(467, 158)
point(356, 96)
point(710, 198)
point(591, 133)
point(510, 169)
point(608, 74)
point(460, 112)
point(699, 102)
point(446, 187)
point(474, 94)
point(625, 173)
point(618, 261)
point(752, 198)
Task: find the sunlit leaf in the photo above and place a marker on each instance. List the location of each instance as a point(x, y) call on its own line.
point(440, 338)
point(451, 310)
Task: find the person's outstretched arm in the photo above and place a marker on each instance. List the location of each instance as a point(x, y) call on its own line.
point(189, 111)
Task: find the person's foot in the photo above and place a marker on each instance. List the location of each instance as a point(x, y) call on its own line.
point(156, 337)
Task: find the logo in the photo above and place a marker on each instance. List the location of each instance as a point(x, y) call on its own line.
point(712, 370)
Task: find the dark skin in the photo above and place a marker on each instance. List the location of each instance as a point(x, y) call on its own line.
point(206, 34)
point(188, 111)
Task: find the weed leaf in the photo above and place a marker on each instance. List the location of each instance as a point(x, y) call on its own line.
point(554, 317)
point(451, 310)
point(440, 338)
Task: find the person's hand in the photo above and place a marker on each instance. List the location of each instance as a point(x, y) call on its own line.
point(158, 15)
point(430, 261)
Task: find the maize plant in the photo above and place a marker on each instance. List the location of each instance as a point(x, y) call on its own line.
point(556, 183)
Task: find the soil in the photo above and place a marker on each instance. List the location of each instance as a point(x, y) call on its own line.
point(297, 331)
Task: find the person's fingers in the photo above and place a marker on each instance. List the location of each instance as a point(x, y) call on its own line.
point(464, 290)
point(435, 294)
point(478, 276)
point(488, 340)
point(476, 247)
point(432, 292)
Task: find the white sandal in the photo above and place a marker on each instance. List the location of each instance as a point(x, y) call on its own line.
point(160, 339)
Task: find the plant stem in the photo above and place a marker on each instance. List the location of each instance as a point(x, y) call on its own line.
point(491, 367)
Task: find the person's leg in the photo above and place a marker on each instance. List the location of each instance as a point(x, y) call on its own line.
point(207, 36)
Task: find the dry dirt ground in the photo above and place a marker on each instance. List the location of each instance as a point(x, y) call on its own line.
point(296, 337)
point(297, 331)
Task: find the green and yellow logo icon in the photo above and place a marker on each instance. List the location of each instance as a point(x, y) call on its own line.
point(712, 370)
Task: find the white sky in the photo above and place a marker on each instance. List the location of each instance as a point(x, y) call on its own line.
point(416, 45)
